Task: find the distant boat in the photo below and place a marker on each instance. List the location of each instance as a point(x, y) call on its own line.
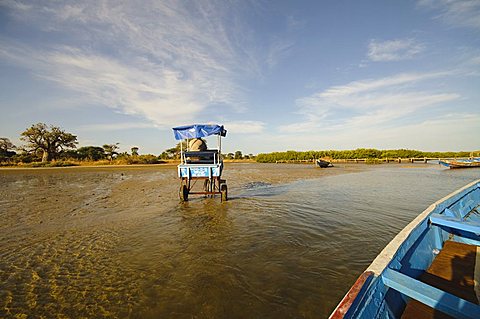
point(461, 163)
point(323, 164)
point(429, 270)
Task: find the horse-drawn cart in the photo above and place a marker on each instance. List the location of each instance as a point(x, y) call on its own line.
point(199, 164)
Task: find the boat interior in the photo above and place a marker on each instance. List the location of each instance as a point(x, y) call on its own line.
point(435, 273)
point(452, 271)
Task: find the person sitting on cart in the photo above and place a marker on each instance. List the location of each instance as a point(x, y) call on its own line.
point(199, 153)
point(197, 145)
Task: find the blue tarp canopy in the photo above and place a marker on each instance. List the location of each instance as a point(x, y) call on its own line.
point(197, 131)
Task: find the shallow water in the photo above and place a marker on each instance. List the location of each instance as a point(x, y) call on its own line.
point(116, 243)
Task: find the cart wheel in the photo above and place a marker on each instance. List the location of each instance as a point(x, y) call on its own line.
point(224, 191)
point(183, 193)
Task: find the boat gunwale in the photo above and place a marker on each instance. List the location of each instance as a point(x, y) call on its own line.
point(352, 294)
point(387, 255)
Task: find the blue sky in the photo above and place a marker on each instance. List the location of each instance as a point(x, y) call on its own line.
point(280, 75)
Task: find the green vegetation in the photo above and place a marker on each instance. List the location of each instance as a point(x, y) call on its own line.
point(50, 146)
point(110, 150)
point(6, 149)
point(91, 153)
point(174, 152)
point(359, 153)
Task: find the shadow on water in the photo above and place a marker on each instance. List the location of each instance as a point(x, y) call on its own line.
point(259, 189)
point(246, 191)
point(201, 206)
point(254, 185)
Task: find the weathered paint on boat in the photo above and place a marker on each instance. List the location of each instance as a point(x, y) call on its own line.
point(467, 163)
point(392, 280)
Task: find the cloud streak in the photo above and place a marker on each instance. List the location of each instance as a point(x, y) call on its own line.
point(115, 126)
point(372, 102)
point(394, 50)
point(443, 133)
point(245, 127)
point(465, 13)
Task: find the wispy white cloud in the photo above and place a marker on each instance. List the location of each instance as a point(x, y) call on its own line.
point(278, 51)
point(161, 97)
point(394, 50)
point(375, 84)
point(464, 13)
point(295, 23)
point(15, 5)
point(372, 102)
point(445, 132)
point(167, 61)
point(115, 126)
point(475, 60)
point(245, 127)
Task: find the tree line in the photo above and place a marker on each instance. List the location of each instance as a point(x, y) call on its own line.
point(47, 143)
point(174, 153)
point(359, 153)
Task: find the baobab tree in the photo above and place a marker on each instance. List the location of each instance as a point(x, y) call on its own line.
point(50, 140)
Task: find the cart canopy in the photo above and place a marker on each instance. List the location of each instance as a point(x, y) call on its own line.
point(197, 131)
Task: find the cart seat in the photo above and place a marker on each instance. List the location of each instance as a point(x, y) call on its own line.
point(201, 157)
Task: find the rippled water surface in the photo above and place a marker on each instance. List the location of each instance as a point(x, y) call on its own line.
point(116, 243)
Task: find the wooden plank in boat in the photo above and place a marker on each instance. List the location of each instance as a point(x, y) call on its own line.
point(453, 271)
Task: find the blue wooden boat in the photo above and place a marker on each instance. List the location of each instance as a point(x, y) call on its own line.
point(461, 163)
point(431, 269)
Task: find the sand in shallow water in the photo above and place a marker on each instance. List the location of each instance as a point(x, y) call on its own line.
point(115, 242)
